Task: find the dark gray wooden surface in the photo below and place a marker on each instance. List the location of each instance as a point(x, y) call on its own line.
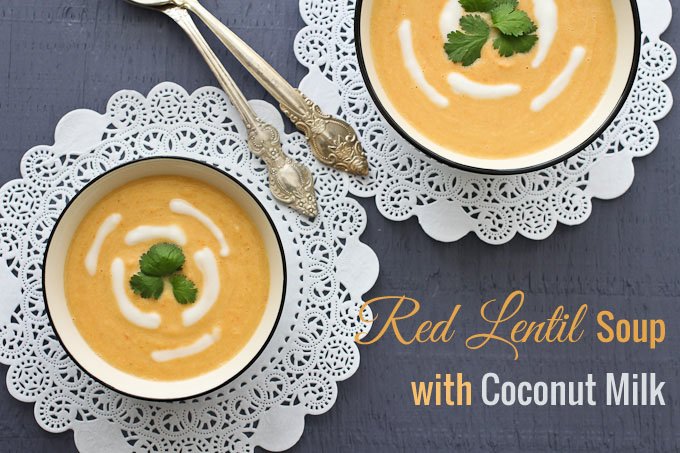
point(59, 55)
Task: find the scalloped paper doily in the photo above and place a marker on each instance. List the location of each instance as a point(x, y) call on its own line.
point(450, 203)
point(312, 349)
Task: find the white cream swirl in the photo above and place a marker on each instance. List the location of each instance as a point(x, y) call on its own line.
point(182, 207)
point(450, 18)
point(105, 229)
point(462, 85)
point(561, 82)
point(546, 15)
point(413, 67)
point(148, 233)
point(200, 345)
point(205, 260)
point(151, 320)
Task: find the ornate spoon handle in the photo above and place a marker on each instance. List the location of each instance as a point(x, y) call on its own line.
point(290, 182)
point(332, 140)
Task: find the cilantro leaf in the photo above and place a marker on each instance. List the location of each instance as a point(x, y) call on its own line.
point(508, 46)
point(146, 286)
point(484, 6)
point(466, 46)
point(515, 31)
point(162, 260)
point(478, 6)
point(511, 21)
point(514, 3)
point(184, 289)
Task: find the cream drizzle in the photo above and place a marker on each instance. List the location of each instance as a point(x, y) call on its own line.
point(462, 85)
point(205, 260)
point(106, 228)
point(417, 73)
point(200, 345)
point(151, 320)
point(449, 20)
point(182, 207)
point(546, 15)
point(147, 233)
point(561, 82)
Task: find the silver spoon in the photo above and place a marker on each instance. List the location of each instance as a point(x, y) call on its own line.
point(291, 182)
point(332, 140)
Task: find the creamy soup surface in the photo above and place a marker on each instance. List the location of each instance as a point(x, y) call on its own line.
point(241, 284)
point(504, 123)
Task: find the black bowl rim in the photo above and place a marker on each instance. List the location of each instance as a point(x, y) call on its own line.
point(283, 262)
point(505, 172)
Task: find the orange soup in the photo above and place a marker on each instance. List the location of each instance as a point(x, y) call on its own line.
point(498, 107)
point(224, 258)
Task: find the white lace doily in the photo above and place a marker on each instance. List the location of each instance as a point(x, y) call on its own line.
point(313, 348)
point(450, 203)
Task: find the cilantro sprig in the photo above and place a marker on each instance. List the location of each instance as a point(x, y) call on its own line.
point(511, 21)
point(514, 31)
point(147, 286)
point(163, 261)
point(466, 46)
point(183, 289)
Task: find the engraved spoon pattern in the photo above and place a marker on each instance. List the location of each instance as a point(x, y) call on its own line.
point(332, 140)
point(291, 182)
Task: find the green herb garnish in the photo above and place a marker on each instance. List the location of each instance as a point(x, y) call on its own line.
point(160, 262)
point(184, 289)
point(466, 46)
point(484, 6)
point(146, 286)
point(508, 46)
point(514, 29)
point(510, 21)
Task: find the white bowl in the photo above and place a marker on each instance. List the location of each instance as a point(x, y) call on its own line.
point(625, 69)
point(55, 297)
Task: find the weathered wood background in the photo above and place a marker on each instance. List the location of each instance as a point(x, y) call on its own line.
point(59, 55)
